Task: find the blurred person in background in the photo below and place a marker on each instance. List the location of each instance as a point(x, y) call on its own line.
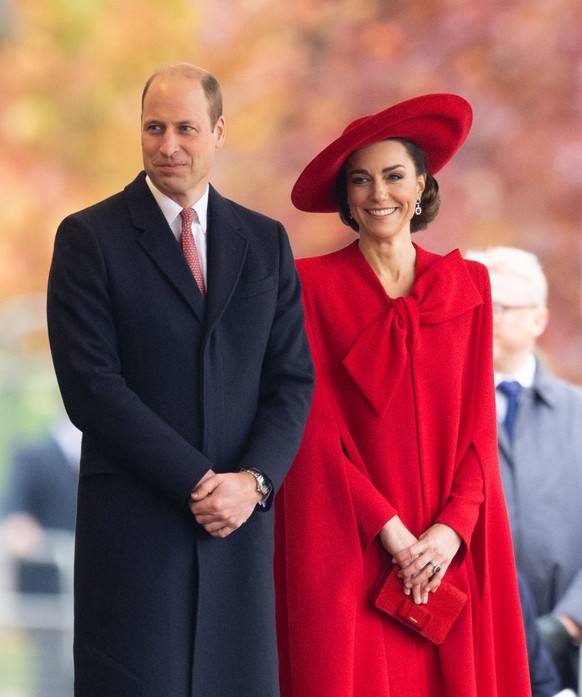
point(540, 452)
point(545, 681)
point(398, 468)
point(189, 373)
point(38, 507)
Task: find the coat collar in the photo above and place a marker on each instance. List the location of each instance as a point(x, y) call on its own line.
point(544, 390)
point(227, 246)
point(544, 385)
point(227, 250)
point(443, 289)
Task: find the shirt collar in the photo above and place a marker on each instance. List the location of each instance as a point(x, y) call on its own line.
point(524, 375)
point(171, 210)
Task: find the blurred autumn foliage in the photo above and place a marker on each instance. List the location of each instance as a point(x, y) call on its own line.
point(294, 73)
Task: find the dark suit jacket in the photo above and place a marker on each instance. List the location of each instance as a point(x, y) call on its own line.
point(43, 484)
point(164, 387)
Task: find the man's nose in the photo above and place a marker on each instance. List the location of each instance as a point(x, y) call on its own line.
point(169, 143)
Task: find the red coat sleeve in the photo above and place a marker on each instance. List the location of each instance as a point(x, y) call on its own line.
point(369, 508)
point(462, 510)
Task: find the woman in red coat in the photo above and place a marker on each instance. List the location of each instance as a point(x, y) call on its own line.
point(399, 461)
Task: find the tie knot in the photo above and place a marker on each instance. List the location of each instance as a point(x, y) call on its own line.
point(510, 388)
point(188, 216)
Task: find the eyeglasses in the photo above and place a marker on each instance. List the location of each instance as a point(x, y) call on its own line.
point(499, 309)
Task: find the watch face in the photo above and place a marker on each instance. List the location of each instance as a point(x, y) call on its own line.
point(263, 488)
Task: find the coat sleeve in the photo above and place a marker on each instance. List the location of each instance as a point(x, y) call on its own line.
point(286, 379)
point(462, 510)
point(88, 367)
point(369, 509)
point(570, 603)
point(477, 450)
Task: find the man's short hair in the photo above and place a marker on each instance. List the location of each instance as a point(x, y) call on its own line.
point(518, 262)
point(209, 83)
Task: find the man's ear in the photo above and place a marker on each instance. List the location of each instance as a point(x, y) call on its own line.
point(541, 320)
point(219, 133)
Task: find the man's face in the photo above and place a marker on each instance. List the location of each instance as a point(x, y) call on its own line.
point(517, 320)
point(178, 143)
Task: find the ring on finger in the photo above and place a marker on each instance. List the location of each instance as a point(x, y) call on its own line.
point(435, 568)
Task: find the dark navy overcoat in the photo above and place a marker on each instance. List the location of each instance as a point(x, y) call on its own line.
point(164, 387)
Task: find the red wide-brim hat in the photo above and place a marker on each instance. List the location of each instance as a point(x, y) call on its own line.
point(437, 123)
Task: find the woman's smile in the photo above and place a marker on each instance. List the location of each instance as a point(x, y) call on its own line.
point(380, 212)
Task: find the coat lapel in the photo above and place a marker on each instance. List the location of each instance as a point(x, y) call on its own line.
point(504, 444)
point(158, 241)
point(227, 249)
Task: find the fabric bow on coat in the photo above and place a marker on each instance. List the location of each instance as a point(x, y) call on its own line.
point(445, 290)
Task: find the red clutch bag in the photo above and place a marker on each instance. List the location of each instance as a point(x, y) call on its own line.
point(432, 620)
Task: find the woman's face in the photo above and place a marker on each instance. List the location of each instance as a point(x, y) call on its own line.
point(382, 188)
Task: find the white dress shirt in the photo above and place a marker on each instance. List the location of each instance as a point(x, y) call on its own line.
point(171, 211)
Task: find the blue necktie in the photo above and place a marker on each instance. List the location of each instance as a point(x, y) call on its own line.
point(510, 389)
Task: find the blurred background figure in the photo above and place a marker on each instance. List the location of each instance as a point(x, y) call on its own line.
point(37, 533)
point(545, 681)
point(540, 452)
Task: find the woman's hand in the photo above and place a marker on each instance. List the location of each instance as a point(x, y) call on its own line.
point(424, 563)
point(396, 537)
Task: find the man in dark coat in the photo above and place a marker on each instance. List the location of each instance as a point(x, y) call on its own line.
point(179, 389)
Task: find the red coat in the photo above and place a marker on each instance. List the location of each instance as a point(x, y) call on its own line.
point(402, 421)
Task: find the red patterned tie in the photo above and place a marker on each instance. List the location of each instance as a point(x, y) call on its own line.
point(189, 247)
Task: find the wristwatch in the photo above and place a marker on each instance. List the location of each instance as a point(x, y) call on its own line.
point(263, 486)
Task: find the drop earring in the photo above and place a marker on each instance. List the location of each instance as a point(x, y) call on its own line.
point(418, 209)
